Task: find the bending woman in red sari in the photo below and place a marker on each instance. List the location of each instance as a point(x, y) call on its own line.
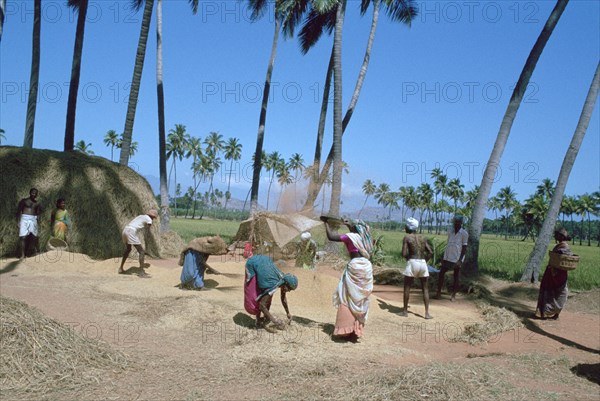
point(356, 284)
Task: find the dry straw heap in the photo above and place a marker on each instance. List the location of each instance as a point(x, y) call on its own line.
point(101, 196)
point(38, 354)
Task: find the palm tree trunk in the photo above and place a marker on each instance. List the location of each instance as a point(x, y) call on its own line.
point(262, 121)
point(135, 82)
point(165, 215)
point(541, 245)
point(589, 228)
point(75, 75)
point(35, 74)
point(229, 183)
point(336, 185)
point(314, 188)
point(471, 266)
point(313, 185)
point(2, 16)
point(175, 192)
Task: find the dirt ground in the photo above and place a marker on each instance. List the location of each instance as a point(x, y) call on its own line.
point(188, 345)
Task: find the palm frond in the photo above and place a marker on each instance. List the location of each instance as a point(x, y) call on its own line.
point(137, 4)
point(291, 13)
point(401, 10)
point(258, 8)
point(314, 26)
point(194, 5)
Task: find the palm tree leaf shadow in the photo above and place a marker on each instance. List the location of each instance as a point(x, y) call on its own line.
point(590, 371)
point(524, 312)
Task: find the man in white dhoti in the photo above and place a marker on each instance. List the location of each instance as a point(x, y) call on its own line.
point(28, 212)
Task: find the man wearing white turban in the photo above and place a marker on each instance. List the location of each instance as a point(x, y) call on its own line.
point(416, 250)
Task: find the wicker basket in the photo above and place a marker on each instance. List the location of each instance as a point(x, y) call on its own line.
point(563, 262)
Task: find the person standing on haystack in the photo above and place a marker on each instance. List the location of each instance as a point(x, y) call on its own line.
point(307, 251)
point(28, 212)
point(553, 288)
point(416, 250)
point(130, 238)
point(356, 284)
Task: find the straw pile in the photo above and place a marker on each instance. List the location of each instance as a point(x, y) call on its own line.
point(101, 198)
point(170, 244)
point(38, 354)
point(496, 321)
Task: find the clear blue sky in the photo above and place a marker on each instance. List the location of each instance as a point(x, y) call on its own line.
point(435, 93)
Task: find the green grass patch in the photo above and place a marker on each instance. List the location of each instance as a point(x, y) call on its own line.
point(189, 229)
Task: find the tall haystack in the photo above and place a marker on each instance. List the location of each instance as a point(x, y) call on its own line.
point(101, 196)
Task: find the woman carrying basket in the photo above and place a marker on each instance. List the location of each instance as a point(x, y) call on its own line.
point(553, 288)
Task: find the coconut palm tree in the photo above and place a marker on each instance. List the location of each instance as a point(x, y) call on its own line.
point(214, 143)
point(440, 185)
point(325, 18)
point(111, 139)
point(85, 148)
point(545, 189)
point(137, 77)
point(34, 78)
point(471, 263)
point(2, 136)
point(591, 207)
point(381, 194)
point(2, 16)
point(587, 206)
point(273, 162)
point(507, 198)
point(176, 146)
point(162, 145)
point(368, 189)
point(132, 147)
point(284, 178)
point(425, 201)
point(81, 7)
point(455, 192)
point(258, 8)
point(494, 205)
point(193, 149)
point(233, 152)
point(296, 164)
point(568, 208)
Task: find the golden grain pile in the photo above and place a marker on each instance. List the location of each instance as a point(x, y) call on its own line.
point(101, 198)
point(38, 354)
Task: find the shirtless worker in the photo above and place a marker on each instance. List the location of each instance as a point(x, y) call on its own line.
point(416, 250)
point(27, 220)
point(130, 238)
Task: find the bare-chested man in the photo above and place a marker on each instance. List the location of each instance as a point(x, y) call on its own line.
point(416, 250)
point(27, 220)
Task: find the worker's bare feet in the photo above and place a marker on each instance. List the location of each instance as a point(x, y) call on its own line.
point(121, 271)
point(428, 316)
point(143, 274)
point(403, 313)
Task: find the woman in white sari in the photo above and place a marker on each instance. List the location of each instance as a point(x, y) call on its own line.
point(356, 284)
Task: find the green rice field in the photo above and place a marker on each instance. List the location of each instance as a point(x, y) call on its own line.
point(498, 258)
